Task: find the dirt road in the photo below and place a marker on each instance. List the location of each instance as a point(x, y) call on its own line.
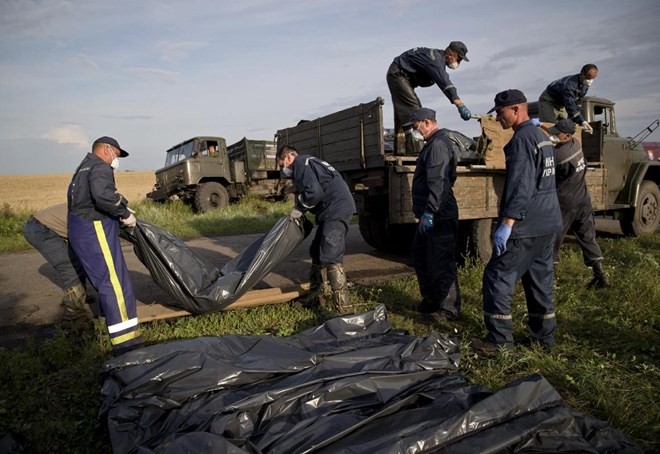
point(30, 293)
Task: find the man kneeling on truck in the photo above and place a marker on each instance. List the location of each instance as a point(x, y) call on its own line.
point(321, 190)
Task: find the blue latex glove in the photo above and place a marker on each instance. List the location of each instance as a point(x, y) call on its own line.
point(536, 122)
point(500, 238)
point(425, 222)
point(465, 112)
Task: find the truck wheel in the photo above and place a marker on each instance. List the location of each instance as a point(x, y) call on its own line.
point(380, 234)
point(645, 218)
point(210, 196)
point(475, 238)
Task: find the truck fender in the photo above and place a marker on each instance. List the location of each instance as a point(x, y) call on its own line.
point(642, 171)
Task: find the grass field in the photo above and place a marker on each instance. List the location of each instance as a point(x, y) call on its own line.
point(606, 362)
point(35, 192)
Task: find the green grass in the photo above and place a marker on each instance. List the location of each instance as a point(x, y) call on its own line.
point(606, 363)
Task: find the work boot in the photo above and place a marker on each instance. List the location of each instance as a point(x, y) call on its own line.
point(317, 277)
point(339, 286)
point(600, 280)
point(75, 293)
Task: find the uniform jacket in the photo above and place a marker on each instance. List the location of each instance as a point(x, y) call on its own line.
point(426, 67)
point(571, 172)
point(434, 178)
point(321, 190)
point(92, 193)
point(529, 194)
point(568, 92)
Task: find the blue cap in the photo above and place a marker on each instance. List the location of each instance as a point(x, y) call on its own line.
point(508, 98)
point(423, 113)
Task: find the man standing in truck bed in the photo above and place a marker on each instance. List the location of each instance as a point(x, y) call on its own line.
point(529, 219)
point(574, 201)
point(435, 206)
point(422, 67)
point(562, 98)
point(321, 190)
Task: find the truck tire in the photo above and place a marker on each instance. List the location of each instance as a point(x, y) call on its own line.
point(645, 218)
point(210, 196)
point(475, 239)
point(380, 234)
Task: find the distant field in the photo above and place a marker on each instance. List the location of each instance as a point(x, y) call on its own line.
point(34, 192)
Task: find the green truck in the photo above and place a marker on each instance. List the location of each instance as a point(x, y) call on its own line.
point(206, 173)
point(623, 183)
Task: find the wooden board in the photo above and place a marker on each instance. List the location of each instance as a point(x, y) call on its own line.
point(151, 312)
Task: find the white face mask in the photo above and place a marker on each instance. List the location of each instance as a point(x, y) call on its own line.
point(554, 139)
point(452, 65)
point(287, 172)
point(588, 82)
point(115, 163)
point(417, 134)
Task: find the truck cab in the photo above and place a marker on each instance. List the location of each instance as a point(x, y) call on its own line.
point(198, 171)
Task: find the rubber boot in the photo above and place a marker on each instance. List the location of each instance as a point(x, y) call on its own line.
point(339, 287)
point(75, 309)
point(317, 278)
point(599, 280)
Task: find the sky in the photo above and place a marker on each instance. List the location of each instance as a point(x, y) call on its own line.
point(153, 73)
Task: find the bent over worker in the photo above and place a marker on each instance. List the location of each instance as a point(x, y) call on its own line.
point(95, 211)
point(422, 67)
point(529, 219)
point(575, 202)
point(322, 191)
point(46, 230)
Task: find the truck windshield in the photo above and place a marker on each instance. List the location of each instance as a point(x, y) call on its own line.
point(179, 153)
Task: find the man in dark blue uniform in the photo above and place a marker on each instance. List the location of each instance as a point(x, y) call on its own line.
point(321, 190)
point(95, 211)
point(529, 219)
point(435, 206)
point(422, 67)
point(575, 202)
point(563, 97)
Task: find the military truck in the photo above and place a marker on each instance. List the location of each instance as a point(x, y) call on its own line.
point(205, 173)
point(621, 180)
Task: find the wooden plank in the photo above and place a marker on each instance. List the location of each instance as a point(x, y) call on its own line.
point(253, 298)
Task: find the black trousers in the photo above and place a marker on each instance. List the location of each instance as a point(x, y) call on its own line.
point(530, 260)
point(435, 266)
point(329, 242)
point(404, 102)
point(578, 219)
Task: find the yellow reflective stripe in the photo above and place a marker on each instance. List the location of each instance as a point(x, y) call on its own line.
point(125, 337)
point(109, 262)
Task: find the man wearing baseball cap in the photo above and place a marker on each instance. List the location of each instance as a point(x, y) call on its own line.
point(529, 218)
point(575, 202)
point(435, 206)
point(422, 67)
point(95, 212)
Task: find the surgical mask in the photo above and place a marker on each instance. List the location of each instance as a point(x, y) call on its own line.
point(554, 139)
point(287, 172)
point(452, 65)
point(417, 134)
point(115, 163)
point(588, 82)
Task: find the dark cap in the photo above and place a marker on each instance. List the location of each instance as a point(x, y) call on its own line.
point(113, 142)
point(460, 49)
point(508, 98)
point(423, 113)
point(563, 125)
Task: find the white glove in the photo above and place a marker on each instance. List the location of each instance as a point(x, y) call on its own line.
point(295, 213)
point(130, 221)
point(587, 127)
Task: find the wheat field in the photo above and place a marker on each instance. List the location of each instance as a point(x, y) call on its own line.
point(38, 191)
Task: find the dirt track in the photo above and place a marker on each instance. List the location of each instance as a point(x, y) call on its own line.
point(30, 292)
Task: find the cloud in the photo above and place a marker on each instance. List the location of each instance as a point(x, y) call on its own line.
point(155, 74)
point(86, 61)
point(68, 134)
point(172, 52)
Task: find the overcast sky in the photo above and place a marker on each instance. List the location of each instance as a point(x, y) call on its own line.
point(152, 73)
